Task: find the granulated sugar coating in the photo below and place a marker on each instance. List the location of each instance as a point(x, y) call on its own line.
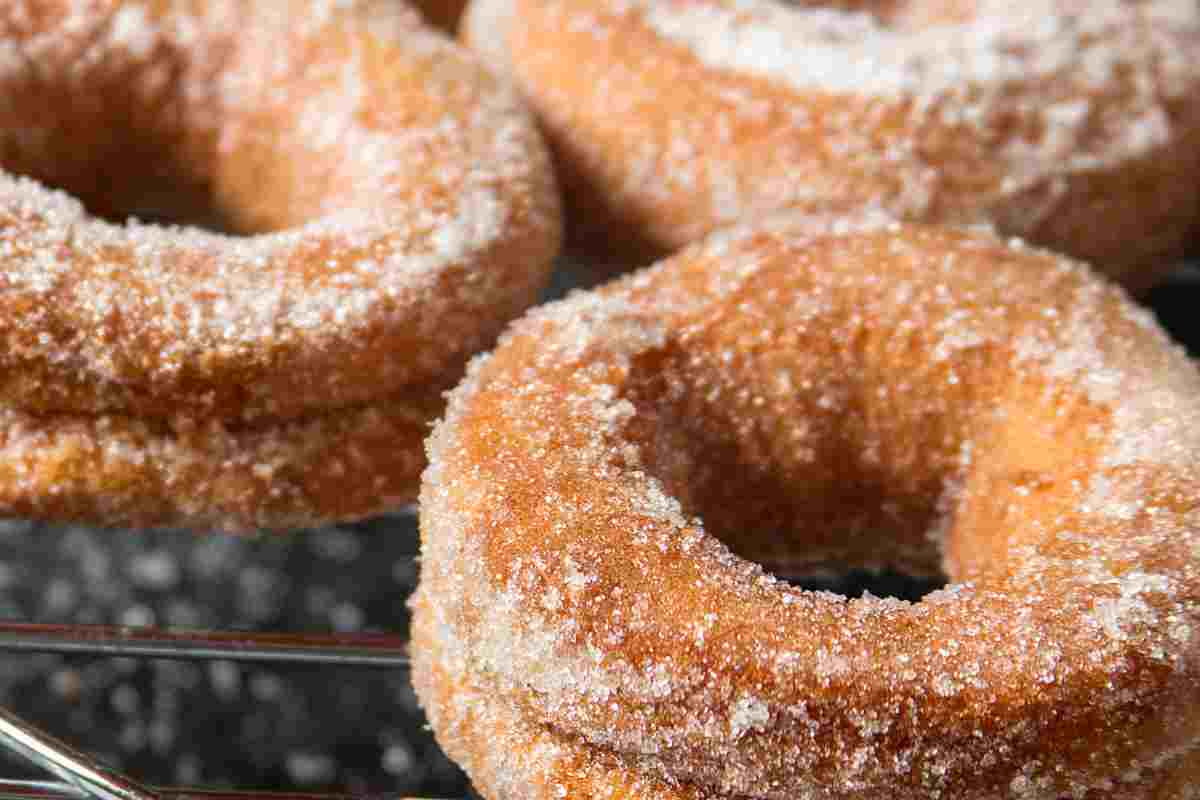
point(396, 207)
point(1072, 124)
point(591, 620)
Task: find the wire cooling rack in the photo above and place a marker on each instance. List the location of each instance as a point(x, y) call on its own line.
point(81, 776)
point(192, 651)
point(219, 701)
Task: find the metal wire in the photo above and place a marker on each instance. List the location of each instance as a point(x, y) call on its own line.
point(78, 770)
point(56, 790)
point(350, 650)
point(84, 778)
point(39, 790)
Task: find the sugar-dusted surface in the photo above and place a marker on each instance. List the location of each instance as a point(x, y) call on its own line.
point(396, 207)
point(588, 617)
point(672, 118)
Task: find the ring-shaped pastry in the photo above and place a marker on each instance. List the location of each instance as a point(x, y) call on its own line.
point(1074, 125)
point(392, 206)
point(590, 619)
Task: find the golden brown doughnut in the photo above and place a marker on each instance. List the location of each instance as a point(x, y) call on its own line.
point(1074, 124)
point(392, 206)
point(590, 622)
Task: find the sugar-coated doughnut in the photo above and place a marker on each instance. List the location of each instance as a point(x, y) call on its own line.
point(589, 622)
point(1073, 124)
point(393, 206)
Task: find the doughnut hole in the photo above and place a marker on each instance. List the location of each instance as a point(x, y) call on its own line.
point(132, 171)
point(211, 126)
point(116, 124)
point(822, 472)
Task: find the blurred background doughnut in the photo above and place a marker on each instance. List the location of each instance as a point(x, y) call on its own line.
point(1074, 125)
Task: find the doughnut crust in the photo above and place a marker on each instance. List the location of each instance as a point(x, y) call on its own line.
point(591, 620)
point(1075, 125)
point(390, 205)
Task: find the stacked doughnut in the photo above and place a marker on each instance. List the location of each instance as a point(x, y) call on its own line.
point(1071, 124)
point(591, 620)
point(392, 206)
point(609, 487)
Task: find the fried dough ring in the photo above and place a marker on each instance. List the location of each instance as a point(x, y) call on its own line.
point(589, 624)
point(396, 207)
point(1074, 125)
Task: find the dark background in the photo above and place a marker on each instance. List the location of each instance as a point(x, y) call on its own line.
point(219, 724)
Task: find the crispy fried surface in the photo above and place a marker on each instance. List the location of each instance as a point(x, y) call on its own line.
point(391, 207)
point(1074, 124)
point(588, 618)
